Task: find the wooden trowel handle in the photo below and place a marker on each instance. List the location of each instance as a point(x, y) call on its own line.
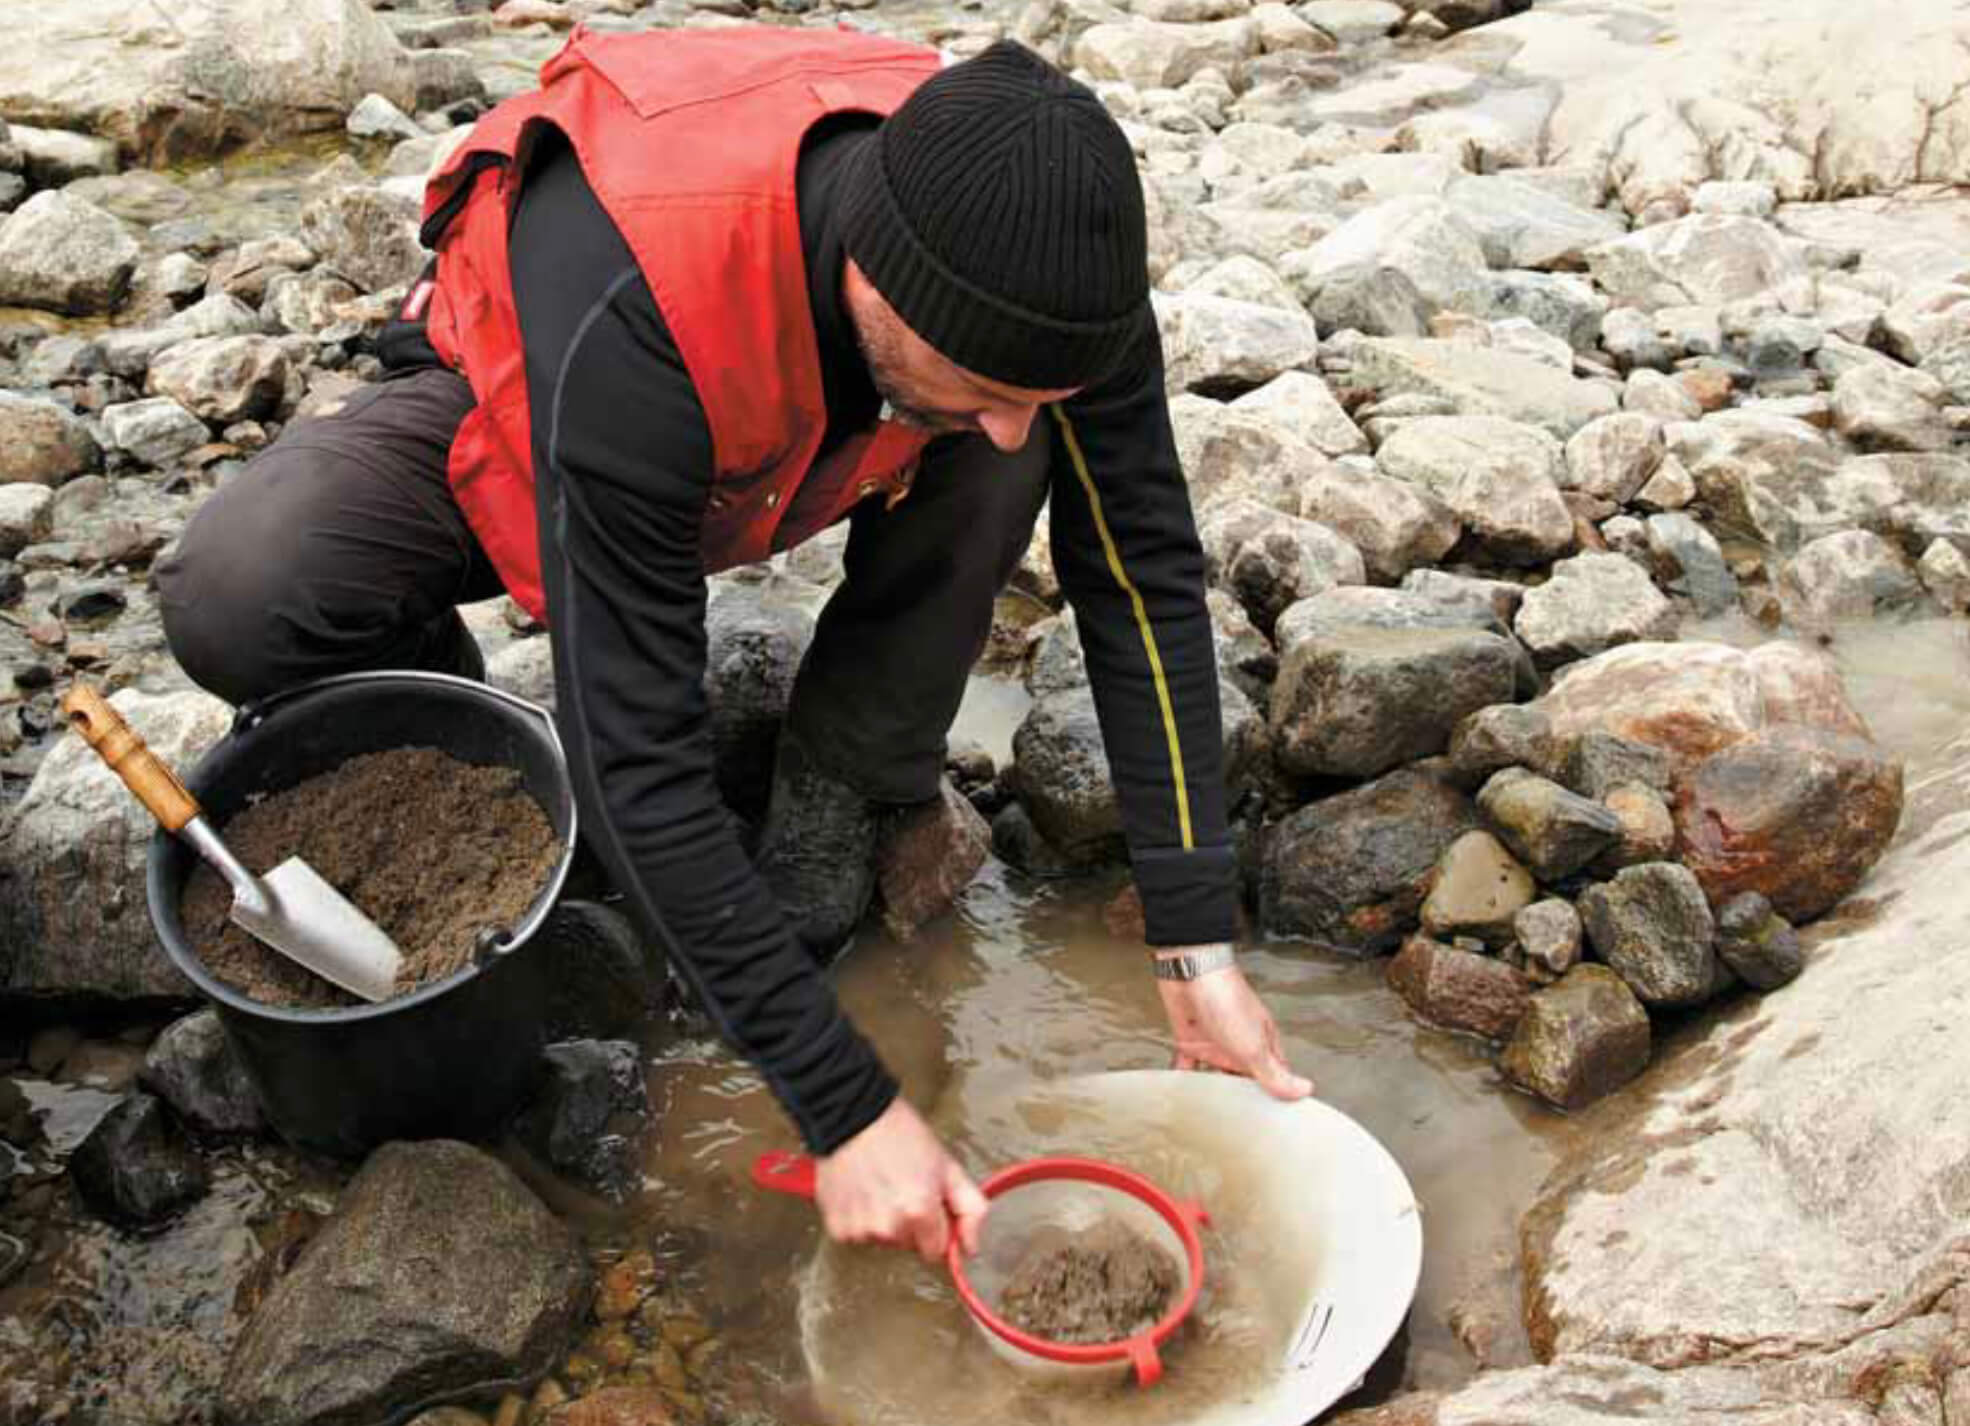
point(117, 744)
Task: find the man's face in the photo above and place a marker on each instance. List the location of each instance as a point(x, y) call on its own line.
point(926, 390)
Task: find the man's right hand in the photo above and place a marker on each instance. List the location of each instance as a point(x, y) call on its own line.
point(893, 1183)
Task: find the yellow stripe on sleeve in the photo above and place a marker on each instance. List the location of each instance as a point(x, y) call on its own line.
point(1141, 619)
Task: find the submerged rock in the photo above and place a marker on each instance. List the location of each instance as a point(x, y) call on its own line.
point(588, 1116)
point(135, 1168)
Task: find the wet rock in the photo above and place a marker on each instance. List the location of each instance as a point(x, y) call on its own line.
point(192, 1067)
point(1592, 603)
point(66, 255)
point(1018, 843)
point(222, 379)
point(129, 351)
point(1498, 477)
point(375, 117)
point(1521, 225)
point(1797, 814)
point(1375, 301)
point(155, 431)
point(1614, 457)
point(367, 234)
point(1884, 407)
point(1579, 1040)
point(1395, 524)
point(615, 1406)
point(1648, 830)
point(1653, 927)
point(927, 857)
point(1553, 831)
point(1475, 381)
point(438, 1274)
point(1689, 561)
point(1945, 573)
point(1758, 943)
point(588, 1115)
point(1217, 344)
point(1598, 761)
point(1269, 560)
point(608, 982)
point(754, 646)
point(1501, 736)
point(1351, 871)
point(1422, 239)
point(1457, 989)
point(72, 909)
point(1852, 575)
point(1301, 402)
point(135, 1168)
point(1479, 889)
point(41, 443)
point(1549, 935)
point(1699, 259)
point(25, 515)
point(1151, 54)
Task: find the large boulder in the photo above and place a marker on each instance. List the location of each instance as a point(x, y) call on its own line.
point(1523, 225)
point(439, 1273)
point(73, 919)
point(193, 81)
point(65, 254)
point(1477, 381)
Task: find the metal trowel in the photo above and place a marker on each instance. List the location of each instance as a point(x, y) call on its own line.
point(291, 908)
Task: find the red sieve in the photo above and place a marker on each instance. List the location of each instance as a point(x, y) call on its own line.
point(1059, 1191)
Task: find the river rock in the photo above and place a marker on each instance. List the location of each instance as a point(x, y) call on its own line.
point(587, 1117)
point(1217, 344)
point(314, 304)
point(1598, 761)
point(1375, 301)
point(1652, 925)
point(1151, 54)
point(1521, 225)
point(1301, 402)
point(1497, 476)
point(41, 443)
point(1269, 559)
point(1613, 458)
point(1758, 943)
point(1269, 218)
point(1757, 474)
point(1798, 814)
point(367, 234)
point(248, 272)
point(200, 82)
point(1479, 888)
point(72, 910)
point(65, 254)
point(135, 1168)
point(1694, 260)
point(615, 1406)
point(927, 857)
point(26, 511)
point(156, 431)
point(1553, 831)
point(1884, 407)
point(1689, 562)
point(754, 646)
point(192, 1067)
point(1910, 499)
point(53, 158)
point(1651, 393)
point(1852, 575)
point(1457, 989)
point(1548, 934)
point(438, 1274)
point(129, 351)
point(1503, 735)
point(1233, 453)
point(1245, 279)
point(1420, 237)
point(1351, 871)
point(1396, 525)
point(222, 379)
point(1945, 573)
point(1579, 1040)
point(1592, 603)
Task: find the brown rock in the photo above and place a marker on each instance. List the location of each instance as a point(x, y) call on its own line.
point(928, 856)
point(1579, 1040)
point(1795, 814)
point(1707, 386)
point(1479, 888)
point(615, 1406)
point(1648, 831)
point(1458, 989)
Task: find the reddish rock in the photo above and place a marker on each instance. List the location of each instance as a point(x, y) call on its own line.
point(1459, 990)
point(1797, 815)
point(615, 1406)
point(927, 857)
point(1707, 386)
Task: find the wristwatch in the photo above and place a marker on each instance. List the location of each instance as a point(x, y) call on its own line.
point(1189, 965)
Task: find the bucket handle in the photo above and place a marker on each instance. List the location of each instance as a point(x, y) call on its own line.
point(253, 714)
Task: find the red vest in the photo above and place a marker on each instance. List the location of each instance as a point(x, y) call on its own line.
point(690, 140)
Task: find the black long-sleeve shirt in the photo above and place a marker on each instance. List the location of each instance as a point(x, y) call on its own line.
point(624, 465)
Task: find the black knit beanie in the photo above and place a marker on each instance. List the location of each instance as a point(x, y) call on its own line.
point(999, 212)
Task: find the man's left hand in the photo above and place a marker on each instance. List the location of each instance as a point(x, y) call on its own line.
point(1219, 1022)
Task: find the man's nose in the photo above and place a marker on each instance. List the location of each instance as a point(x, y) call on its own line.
point(1007, 427)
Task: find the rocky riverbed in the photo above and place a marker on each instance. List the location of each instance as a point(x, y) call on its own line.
point(1576, 402)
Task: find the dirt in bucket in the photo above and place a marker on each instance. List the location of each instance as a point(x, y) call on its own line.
point(432, 849)
point(1101, 1285)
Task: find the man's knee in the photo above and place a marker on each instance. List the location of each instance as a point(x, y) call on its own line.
point(218, 602)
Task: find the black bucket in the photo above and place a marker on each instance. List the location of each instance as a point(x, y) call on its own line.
point(453, 1057)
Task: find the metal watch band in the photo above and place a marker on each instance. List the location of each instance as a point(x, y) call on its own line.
point(1189, 965)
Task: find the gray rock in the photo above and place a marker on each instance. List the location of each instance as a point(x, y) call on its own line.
point(1910, 499)
point(1950, 365)
point(1614, 457)
point(1598, 761)
point(1653, 927)
point(1245, 656)
point(51, 158)
point(1549, 937)
point(438, 1275)
point(1852, 575)
point(1351, 871)
point(41, 443)
point(753, 650)
point(1216, 344)
point(66, 255)
point(26, 512)
point(249, 271)
point(367, 234)
point(1501, 736)
point(1743, 200)
point(180, 276)
point(1689, 561)
point(1580, 1040)
point(375, 117)
point(1232, 453)
point(1269, 560)
point(1152, 54)
point(1883, 407)
point(1564, 306)
point(1301, 403)
point(313, 304)
point(91, 601)
point(1700, 259)
point(607, 983)
point(1353, 22)
point(1497, 476)
point(129, 352)
point(445, 76)
point(222, 379)
point(1269, 217)
point(1553, 831)
point(1523, 226)
point(1479, 889)
point(1245, 279)
point(1486, 598)
point(1631, 337)
point(192, 1067)
point(13, 188)
point(156, 431)
point(1422, 238)
point(1592, 603)
point(1758, 943)
point(1018, 843)
point(1757, 474)
point(135, 1168)
point(1395, 524)
point(72, 911)
point(1376, 301)
point(1459, 990)
point(587, 1118)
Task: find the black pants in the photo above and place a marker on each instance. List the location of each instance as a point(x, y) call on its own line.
point(340, 548)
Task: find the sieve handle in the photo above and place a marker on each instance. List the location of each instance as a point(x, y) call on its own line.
point(782, 1172)
point(1148, 1363)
